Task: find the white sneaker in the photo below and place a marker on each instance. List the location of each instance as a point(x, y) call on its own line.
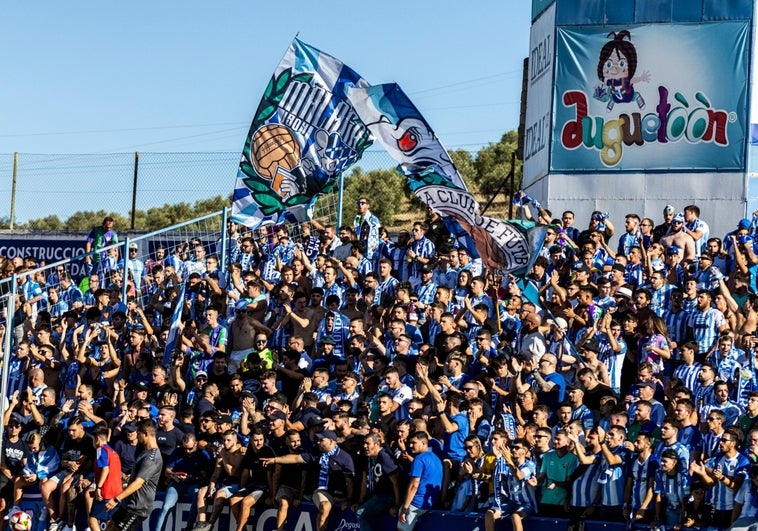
point(55, 525)
point(67, 528)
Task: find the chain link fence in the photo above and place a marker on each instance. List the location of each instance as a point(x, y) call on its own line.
point(53, 192)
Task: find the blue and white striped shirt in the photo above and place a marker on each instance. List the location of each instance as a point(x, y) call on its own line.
point(722, 497)
point(642, 474)
point(612, 479)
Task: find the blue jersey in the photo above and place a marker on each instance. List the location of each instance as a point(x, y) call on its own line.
point(642, 474)
point(674, 489)
point(612, 479)
point(688, 374)
point(585, 485)
point(722, 497)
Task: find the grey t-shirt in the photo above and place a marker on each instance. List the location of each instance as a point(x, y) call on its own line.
point(148, 467)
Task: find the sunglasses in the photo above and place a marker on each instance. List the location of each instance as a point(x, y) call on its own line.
point(360, 202)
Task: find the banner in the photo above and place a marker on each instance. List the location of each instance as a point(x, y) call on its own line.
point(653, 97)
point(304, 134)
point(539, 99)
point(397, 124)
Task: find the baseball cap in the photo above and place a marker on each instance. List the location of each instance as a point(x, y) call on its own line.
point(668, 209)
point(315, 421)
point(623, 292)
point(582, 267)
point(424, 270)
point(129, 427)
point(560, 322)
point(139, 386)
point(592, 345)
point(672, 249)
point(133, 246)
point(327, 434)
point(743, 224)
point(648, 383)
point(327, 340)
point(224, 418)
point(277, 414)
point(201, 373)
point(678, 217)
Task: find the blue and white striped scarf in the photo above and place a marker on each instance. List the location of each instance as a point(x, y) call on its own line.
point(323, 464)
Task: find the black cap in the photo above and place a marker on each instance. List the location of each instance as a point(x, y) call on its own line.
point(277, 414)
point(139, 386)
point(315, 421)
point(327, 434)
point(129, 427)
point(224, 418)
point(592, 345)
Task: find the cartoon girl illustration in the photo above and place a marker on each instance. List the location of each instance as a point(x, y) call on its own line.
point(616, 69)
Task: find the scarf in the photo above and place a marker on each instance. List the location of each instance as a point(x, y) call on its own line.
point(500, 468)
point(323, 467)
point(478, 484)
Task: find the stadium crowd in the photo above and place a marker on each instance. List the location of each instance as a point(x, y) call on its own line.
point(615, 380)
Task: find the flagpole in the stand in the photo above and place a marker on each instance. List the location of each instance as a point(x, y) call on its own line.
point(339, 199)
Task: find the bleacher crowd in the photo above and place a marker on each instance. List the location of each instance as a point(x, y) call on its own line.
point(615, 381)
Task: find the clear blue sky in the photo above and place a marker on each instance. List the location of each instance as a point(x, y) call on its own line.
point(105, 77)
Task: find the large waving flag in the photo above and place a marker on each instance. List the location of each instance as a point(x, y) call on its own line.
point(508, 246)
point(303, 135)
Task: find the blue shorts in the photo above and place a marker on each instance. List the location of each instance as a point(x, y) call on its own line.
point(508, 507)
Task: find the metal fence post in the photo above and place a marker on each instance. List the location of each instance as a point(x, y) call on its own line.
point(134, 189)
point(9, 313)
point(125, 271)
point(224, 239)
point(339, 201)
point(13, 192)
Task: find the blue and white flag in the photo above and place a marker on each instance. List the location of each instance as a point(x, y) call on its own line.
point(174, 341)
point(304, 134)
point(394, 121)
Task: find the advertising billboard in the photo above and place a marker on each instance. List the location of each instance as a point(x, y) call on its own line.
point(539, 97)
point(663, 97)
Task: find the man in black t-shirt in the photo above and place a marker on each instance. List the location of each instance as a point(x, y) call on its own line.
point(380, 484)
point(11, 461)
point(135, 503)
point(256, 481)
point(336, 473)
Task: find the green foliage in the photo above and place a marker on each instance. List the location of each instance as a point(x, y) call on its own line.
point(464, 162)
point(153, 219)
point(493, 163)
point(383, 188)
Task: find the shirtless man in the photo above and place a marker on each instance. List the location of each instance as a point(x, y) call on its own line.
point(242, 336)
point(302, 319)
point(681, 239)
point(228, 471)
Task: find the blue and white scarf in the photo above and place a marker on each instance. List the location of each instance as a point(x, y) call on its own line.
point(323, 464)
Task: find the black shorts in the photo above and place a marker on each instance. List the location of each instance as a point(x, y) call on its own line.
point(722, 519)
point(126, 521)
